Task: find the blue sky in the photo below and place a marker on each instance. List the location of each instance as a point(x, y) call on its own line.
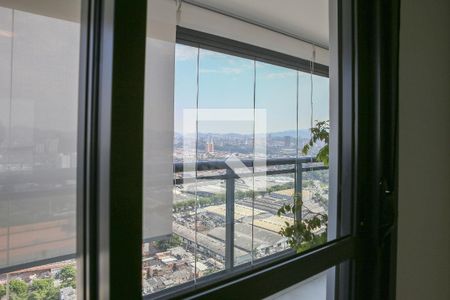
point(227, 81)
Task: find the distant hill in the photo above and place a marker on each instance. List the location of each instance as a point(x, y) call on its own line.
point(302, 133)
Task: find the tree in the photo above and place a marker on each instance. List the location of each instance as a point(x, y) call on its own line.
point(2, 290)
point(305, 234)
point(174, 241)
point(41, 289)
point(18, 289)
point(67, 275)
point(320, 132)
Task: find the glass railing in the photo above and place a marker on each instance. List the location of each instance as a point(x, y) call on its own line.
point(221, 222)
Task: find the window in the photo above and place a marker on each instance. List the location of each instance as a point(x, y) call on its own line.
point(201, 248)
point(165, 149)
point(241, 132)
point(39, 57)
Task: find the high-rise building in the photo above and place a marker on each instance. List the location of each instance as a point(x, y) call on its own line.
point(210, 145)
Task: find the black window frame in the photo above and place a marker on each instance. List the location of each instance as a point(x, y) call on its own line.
point(110, 187)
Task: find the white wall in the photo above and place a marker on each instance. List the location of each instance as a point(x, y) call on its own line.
point(423, 266)
point(314, 288)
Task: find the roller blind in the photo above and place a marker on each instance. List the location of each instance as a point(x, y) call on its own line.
point(159, 119)
point(39, 58)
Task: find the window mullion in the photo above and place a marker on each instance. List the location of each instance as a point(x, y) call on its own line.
point(110, 200)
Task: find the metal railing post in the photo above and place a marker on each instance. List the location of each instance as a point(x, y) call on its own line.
point(229, 219)
point(298, 187)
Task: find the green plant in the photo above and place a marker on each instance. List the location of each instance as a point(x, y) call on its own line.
point(306, 233)
point(18, 289)
point(41, 289)
point(174, 241)
point(320, 132)
point(2, 290)
point(67, 275)
point(303, 234)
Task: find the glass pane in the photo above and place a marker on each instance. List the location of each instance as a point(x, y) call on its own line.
point(276, 93)
point(226, 90)
point(209, 223)
point(39, 60)
point(267, 224)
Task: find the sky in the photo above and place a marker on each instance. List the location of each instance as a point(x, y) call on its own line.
point(226, 81)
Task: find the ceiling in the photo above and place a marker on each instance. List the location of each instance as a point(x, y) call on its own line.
point(307, 19)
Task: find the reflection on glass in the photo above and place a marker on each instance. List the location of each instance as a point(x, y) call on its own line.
point(39, 58)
